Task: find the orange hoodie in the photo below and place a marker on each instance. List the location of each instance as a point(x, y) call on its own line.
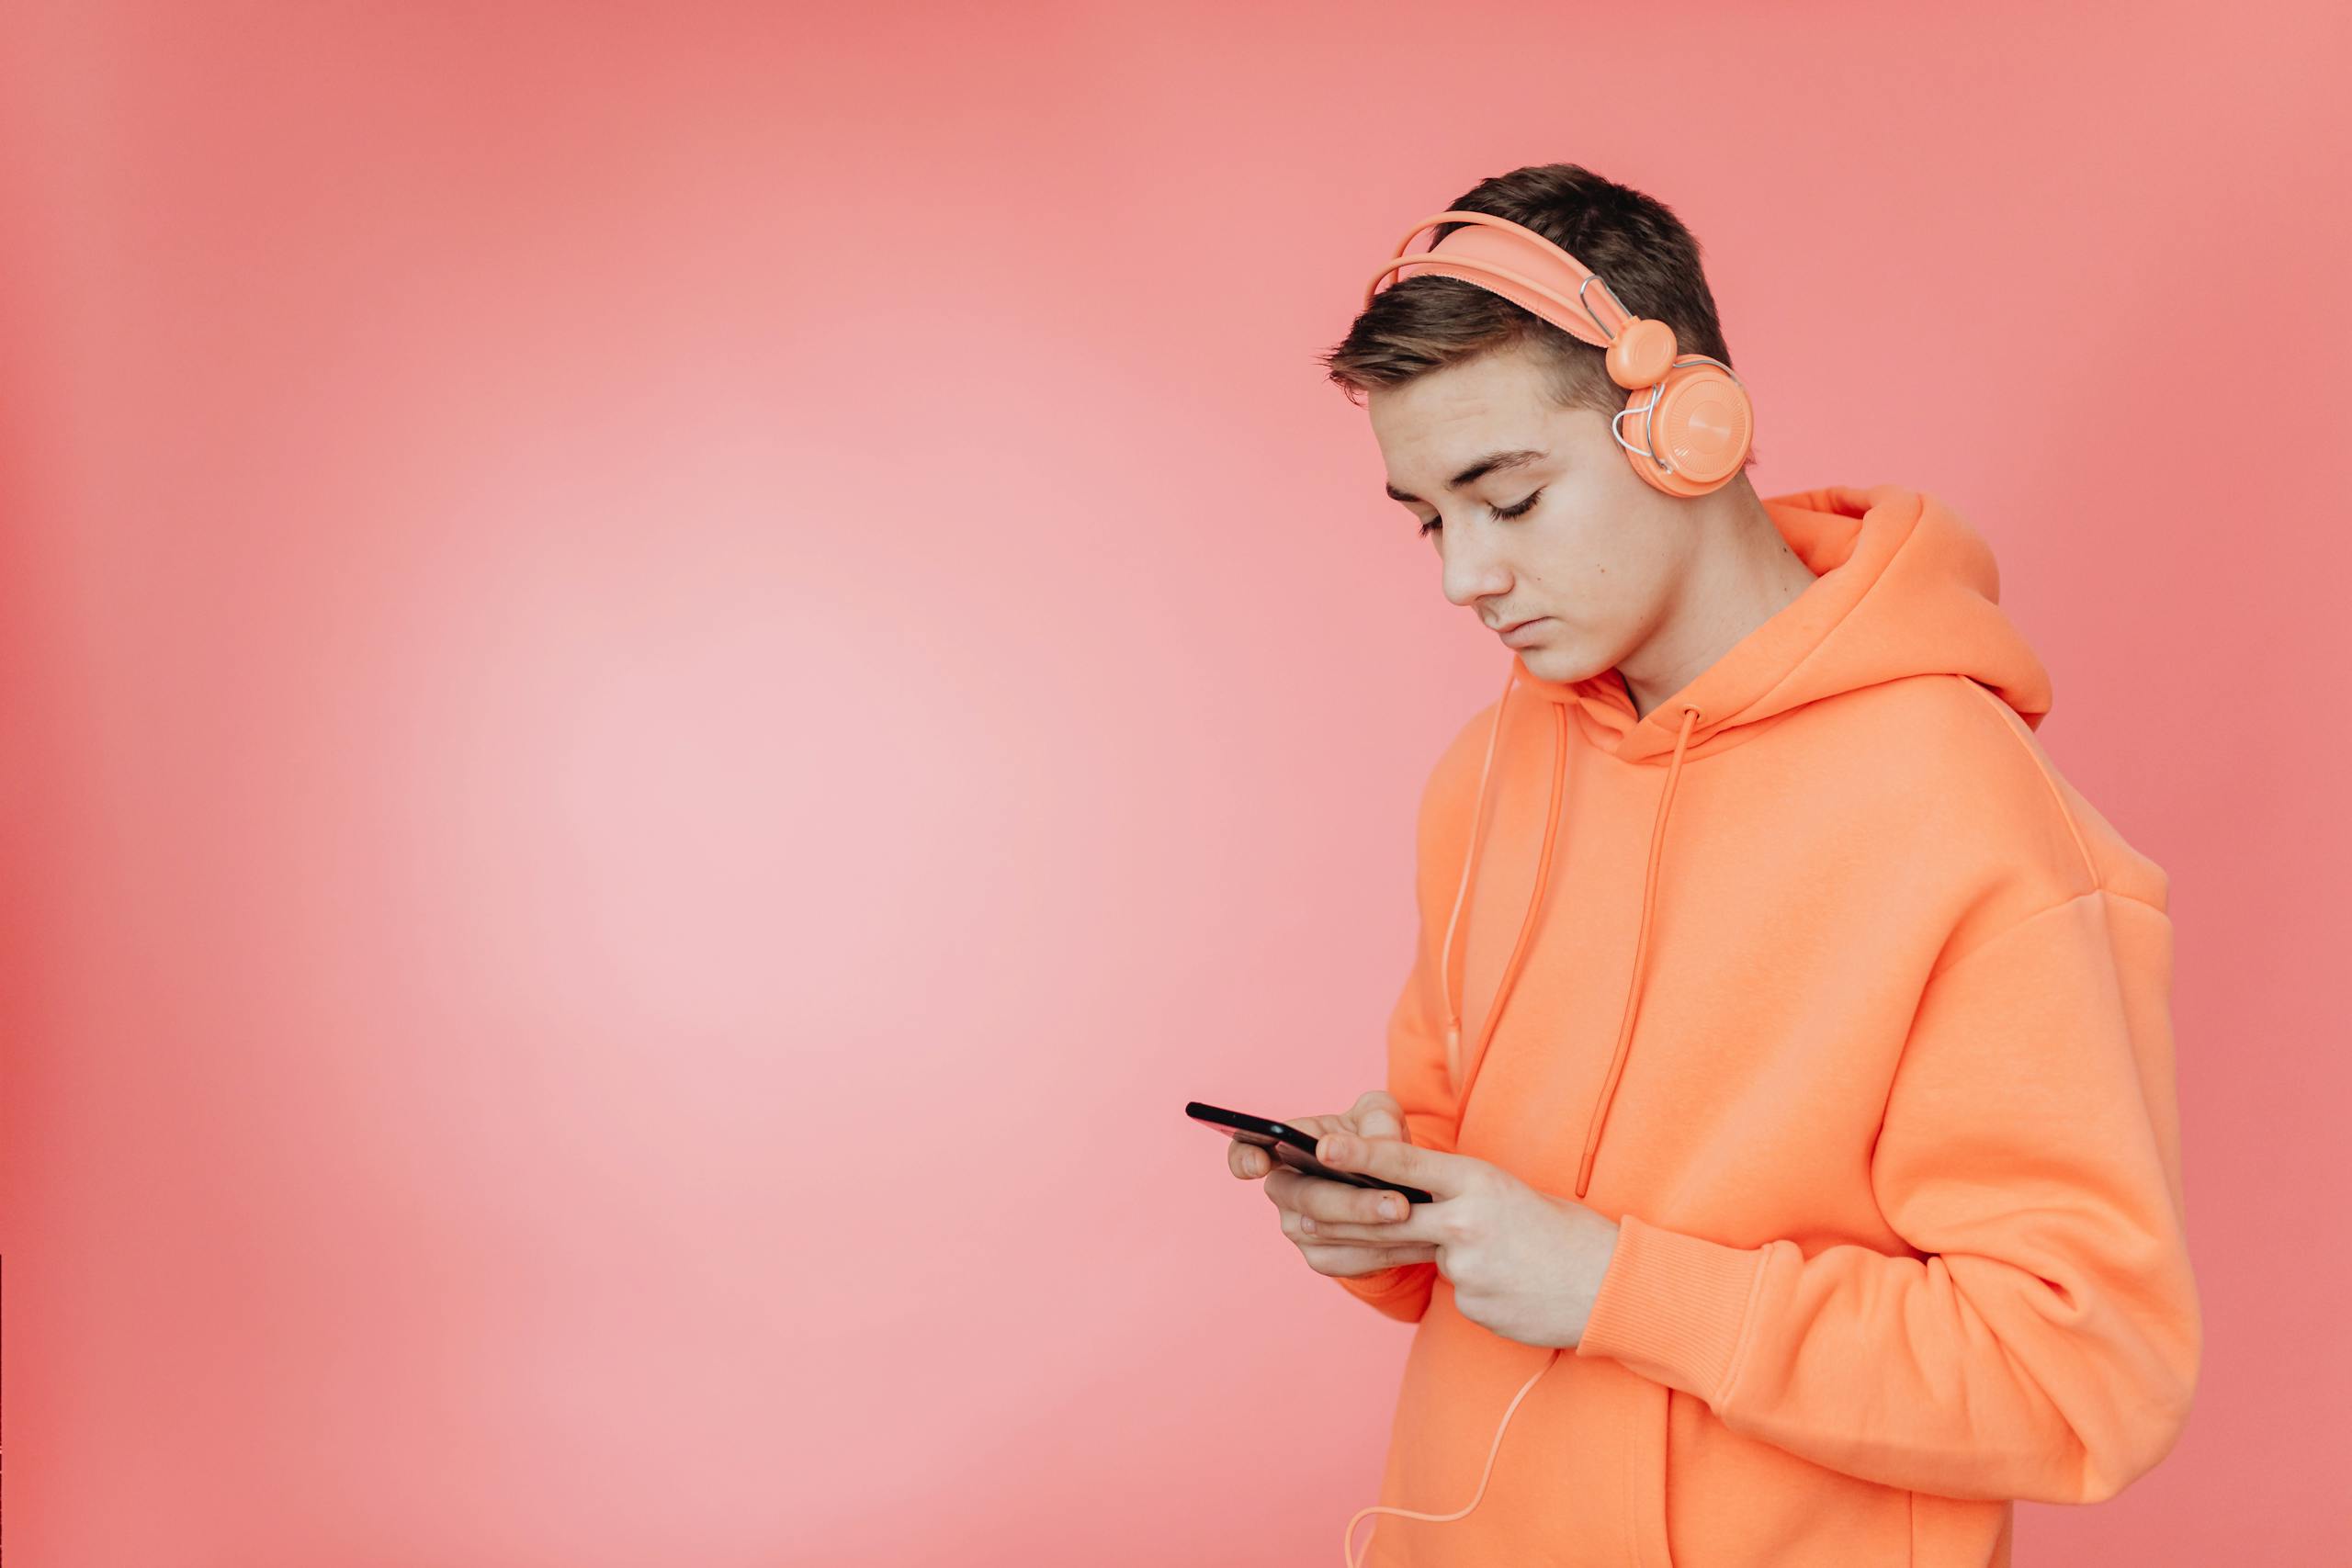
point(1854, 1015)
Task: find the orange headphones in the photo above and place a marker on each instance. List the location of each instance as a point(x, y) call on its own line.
point(1696, 424)
point(1696, 420)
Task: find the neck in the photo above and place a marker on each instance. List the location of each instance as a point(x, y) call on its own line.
point(1742, 573)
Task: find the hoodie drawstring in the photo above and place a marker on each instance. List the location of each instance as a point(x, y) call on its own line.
point(1469, 858)
point(1454, 1066)
point(1511, 971)
point(1641, 959)
point(1526, 922)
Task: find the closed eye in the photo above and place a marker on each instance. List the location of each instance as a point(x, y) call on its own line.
point(1504, 513)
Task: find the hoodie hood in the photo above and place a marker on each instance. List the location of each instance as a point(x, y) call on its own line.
point(1903, 587)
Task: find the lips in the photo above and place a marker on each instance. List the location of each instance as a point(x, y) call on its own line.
point(1510, 635)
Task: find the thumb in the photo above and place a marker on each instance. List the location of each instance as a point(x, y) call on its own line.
point(1377, 1115)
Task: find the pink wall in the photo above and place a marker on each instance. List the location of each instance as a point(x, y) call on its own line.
point(669, 677)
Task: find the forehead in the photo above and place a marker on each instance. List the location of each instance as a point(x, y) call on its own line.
point(1433, 426)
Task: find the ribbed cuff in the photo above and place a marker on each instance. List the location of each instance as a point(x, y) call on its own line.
point(1672, 1307)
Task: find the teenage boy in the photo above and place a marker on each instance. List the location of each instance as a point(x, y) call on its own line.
point(1821, 1194)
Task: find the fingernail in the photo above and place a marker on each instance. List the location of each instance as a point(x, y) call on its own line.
point(1306, 1224)
point(1391, 1209)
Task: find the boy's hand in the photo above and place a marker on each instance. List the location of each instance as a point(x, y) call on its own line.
point(1522, 1262)
point(1301, 1198)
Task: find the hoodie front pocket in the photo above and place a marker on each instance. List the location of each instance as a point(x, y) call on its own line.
point(1728, 1501)
point(1573, 1475)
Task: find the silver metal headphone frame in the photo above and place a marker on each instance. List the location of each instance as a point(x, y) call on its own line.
point(1657, 386)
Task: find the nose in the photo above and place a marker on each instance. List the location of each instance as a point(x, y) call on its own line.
point(1473, 571)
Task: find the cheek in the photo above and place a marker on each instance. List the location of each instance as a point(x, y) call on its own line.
point(1609, 586)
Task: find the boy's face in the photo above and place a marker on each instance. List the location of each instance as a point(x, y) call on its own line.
point(1600, 556)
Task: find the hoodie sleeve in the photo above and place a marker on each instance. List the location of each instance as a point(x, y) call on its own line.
point(1417, 1073)
point(2045, 1344)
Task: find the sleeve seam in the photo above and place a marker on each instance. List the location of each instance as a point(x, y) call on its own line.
point(2007, 717)
point(2024, 920)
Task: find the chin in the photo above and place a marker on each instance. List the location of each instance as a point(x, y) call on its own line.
point(1557, 659)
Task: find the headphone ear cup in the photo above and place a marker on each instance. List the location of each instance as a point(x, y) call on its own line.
point(1702, 423)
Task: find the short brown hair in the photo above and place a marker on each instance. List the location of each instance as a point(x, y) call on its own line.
point(1635, 243)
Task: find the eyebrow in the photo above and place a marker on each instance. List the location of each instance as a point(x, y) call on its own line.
point(1492, 463)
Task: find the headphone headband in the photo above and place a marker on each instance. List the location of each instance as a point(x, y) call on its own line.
point(1501, 261)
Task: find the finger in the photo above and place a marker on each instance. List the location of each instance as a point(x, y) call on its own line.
point(1440, 1174)
point(1247, 1161)
point(1297, 1227)
point(1282, 1185)
point(1320, 1198)
point(1417, 1226)
point(1347, 1261)
point(1377, 1115)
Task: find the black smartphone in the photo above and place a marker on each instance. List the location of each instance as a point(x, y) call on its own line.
point(1288, 1144)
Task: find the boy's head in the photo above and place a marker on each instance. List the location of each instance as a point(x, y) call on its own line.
point(1452, 373)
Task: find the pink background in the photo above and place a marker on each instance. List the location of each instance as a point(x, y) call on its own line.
point(669, 674)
